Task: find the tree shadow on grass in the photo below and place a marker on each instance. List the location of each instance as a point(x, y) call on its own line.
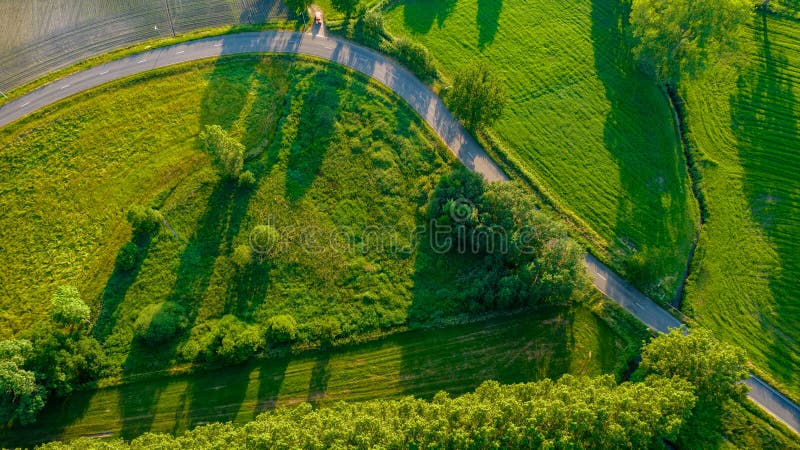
point(320, 375)
point(653, 231)
point(419, 15)
point(117, 287)
point(51, 423)
point(315, 127)
point(270, 379)
point(766, 120)
point(488, 21)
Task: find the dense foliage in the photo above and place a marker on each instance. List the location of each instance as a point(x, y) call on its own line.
point(411, 54)
point(143, 220)
point(477, 97)
point(160, 322)
point(525, 256)
point(714, 368)
point(574, 412)
point(683, 37)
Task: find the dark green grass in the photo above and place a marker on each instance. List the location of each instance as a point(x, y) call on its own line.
point(531, 346)
point(591, 131)
point(745, 124)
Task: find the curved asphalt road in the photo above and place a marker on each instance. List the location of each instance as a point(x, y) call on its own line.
point(418, 95)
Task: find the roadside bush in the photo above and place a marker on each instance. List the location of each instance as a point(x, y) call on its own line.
point(233, 341)
point(371, 27)
point(413, 55)
point(143, 220)
point(127, 257)
point(281, 329)
point(242, 256)
point(477, 97)
point(327, 329)
point(160, 322)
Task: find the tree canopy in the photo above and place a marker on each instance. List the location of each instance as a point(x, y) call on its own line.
point(20, 397)
point(574, 412)
point(675, 37)
point(477, 97)
point(227, 151)
point(67, 308)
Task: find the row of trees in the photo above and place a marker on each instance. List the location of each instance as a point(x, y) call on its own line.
point(680, 375)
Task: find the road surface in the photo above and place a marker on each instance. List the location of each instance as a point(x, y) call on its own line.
point(413, 91)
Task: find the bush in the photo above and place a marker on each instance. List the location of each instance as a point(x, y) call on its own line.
point(160, 322)
point(371, 26)
point(327, 329)
point(477, 97)
point(242, 256)
point(143, 220)
point(67, 307)
point(127, 257)
point(264, 239)
point(247, 179)
point(233, 341)
point(282, 329)
point(413, 55)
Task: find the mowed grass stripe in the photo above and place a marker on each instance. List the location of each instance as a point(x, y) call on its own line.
point(596, 134)
point(744, 284)
point(547, 343)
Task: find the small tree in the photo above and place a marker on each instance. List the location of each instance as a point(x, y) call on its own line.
point(282, 329)
point(143, 220)
point(228, 152)
point(127, 257)
point(160, 322)
point(247, 179)
point(298, 6)
point(67, 308)
point(681, 36)
point(242, 256)
point(477, 97)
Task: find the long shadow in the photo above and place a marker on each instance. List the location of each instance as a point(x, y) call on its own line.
point(419, 15)
point(488, 21)
point(651, 225)
point(320, 375)
point(212, 399)
point(315, 127)
point(766, 121)
point(270, 379)
point(51, 423)
point(117, 287)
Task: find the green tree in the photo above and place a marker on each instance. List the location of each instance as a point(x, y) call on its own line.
point(297, 6)
point(68, 309)
point(714, 368)
point(144, 220)
point(127, 257)
point(282, 329)
point(264, 239)
point(242, 256)
point(675, 37)
point(21, 398)
point(476, 97)
point(159, 322)
point(227, 151)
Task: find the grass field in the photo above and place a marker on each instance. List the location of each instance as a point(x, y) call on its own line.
point(581, 121)
point(331, 154)
point(548, 343)
point(745, 124)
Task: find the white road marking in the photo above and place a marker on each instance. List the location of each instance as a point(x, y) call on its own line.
point(601, 275)
point(25, 104)
point(103, 73)
point(637, 304)
point(182, 51)
point(141, 61)
point(328, 47)
point(219, 44)
point(64, 87)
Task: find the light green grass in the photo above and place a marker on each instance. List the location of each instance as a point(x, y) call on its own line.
point(586, 126)
point(745, 124)
point(72, 170)
point(548, 343)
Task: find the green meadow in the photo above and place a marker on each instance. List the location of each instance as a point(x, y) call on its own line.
point(744, 124)
point(581, 122)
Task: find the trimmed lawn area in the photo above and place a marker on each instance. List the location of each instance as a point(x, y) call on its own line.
point(581, 122)
point(745, 126)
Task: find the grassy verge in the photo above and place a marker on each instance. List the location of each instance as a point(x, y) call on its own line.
point(594, 135)
point(743, 124)
point(547, 343)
